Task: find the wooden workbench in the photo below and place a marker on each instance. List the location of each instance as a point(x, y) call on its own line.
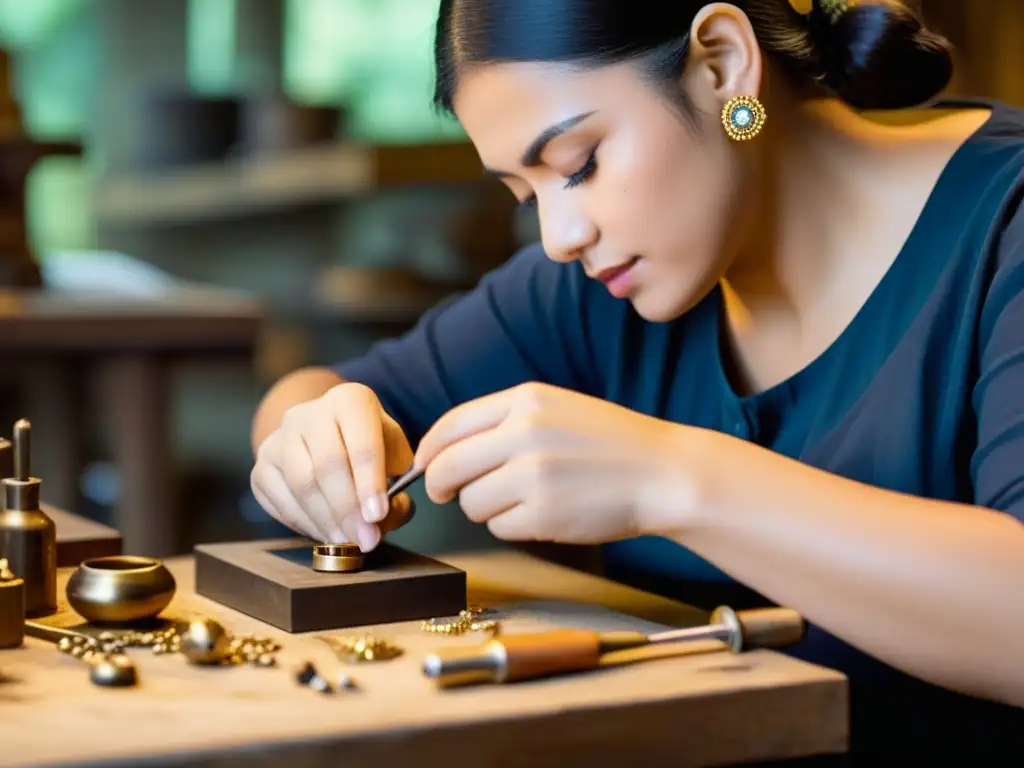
point(699, 709)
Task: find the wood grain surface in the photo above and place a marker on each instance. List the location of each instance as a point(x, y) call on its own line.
point(704, 708)
point(273, 580)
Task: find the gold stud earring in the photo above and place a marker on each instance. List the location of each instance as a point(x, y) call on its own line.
point(743, 117)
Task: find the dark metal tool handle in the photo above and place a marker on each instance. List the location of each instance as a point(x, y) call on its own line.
point(402, 482)
point(50, 634)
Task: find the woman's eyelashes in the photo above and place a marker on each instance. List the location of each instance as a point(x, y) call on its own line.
point(573, 180)
point(583, 173)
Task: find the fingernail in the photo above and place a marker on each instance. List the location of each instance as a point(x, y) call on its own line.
point(368, 537)
point(338, 536)
point(375, 508)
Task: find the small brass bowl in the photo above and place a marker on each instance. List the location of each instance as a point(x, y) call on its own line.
point(120, 589)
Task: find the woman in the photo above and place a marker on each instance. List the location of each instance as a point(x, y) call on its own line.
point(764, 340)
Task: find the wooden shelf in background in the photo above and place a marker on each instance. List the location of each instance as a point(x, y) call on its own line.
point(192, 321)
point(311, 176)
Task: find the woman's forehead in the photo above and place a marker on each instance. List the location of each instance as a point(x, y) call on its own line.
point(516, 101)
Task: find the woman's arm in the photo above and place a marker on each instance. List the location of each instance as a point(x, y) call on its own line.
point(297, 387)
point(931, 588)
point(521, 323)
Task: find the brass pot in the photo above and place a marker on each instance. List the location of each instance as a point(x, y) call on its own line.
point(120, 589)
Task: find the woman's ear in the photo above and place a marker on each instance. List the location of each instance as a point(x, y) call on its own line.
point(725, 57)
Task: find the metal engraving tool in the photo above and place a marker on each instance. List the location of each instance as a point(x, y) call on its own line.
point(511, 658)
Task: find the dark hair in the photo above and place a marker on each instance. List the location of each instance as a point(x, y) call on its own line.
point(875, 55)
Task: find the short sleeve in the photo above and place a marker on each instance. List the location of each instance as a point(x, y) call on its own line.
point(524, 321)
point(997, 466)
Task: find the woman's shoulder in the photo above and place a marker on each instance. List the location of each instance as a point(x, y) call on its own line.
point(1003, 127)
point(1005, 124)
point(996, 148)
point(991, 156)
point(995, 157)
point(982, 186)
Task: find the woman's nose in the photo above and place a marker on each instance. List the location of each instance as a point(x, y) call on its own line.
point(566, 234)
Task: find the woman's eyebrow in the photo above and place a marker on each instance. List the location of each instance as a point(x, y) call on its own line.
point(531, 157)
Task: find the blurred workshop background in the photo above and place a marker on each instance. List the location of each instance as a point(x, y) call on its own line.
point(198, 196)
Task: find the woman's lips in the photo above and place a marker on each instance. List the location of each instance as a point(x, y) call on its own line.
point(618, 280)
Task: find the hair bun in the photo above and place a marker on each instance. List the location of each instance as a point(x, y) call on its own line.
point(877, 54)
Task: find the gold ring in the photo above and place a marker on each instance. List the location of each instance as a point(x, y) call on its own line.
point(337, 558)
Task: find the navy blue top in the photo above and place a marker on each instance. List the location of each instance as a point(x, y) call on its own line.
point(922, 393)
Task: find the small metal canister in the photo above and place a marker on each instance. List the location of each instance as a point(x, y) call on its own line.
point(12, 608)
point(28, 537)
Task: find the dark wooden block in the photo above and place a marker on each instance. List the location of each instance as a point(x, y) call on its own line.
point(273, 581)
point(79, 538)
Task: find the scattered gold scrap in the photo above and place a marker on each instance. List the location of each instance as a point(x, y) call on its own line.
point(240, 649)
point(468, 620)
point(362, 648)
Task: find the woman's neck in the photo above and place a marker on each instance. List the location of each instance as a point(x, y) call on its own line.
point(817, 171)
point(837, 196)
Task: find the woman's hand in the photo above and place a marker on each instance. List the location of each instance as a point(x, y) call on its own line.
point(540, 462)
point(323, 471)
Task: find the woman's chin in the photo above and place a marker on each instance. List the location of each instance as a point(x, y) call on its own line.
point(653, 310)
point(655, 307)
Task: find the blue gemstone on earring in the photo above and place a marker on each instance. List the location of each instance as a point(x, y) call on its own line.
point(742, 117)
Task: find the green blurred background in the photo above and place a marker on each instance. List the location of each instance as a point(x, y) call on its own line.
point(373, 56)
